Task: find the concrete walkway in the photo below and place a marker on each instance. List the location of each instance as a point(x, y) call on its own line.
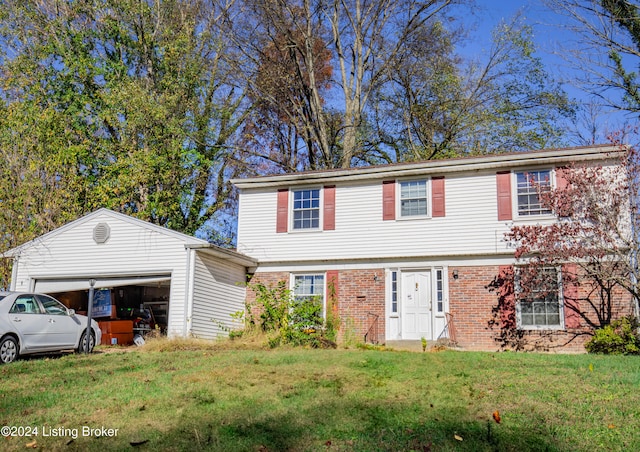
point(416, 346)
point(412, 346)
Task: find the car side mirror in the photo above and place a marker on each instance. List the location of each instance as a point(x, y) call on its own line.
point(71, 312)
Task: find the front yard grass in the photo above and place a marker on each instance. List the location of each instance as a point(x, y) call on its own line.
point(316, 400)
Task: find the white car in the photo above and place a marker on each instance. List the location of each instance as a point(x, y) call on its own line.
point(37, 323)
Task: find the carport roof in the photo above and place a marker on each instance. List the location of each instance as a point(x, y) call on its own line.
point(189, 241)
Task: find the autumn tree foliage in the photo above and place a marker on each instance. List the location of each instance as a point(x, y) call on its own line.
point(288, 124)
point(592, 239)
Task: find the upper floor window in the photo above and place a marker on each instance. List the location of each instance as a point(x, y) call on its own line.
point(306, 209)
point(529, 186)
point(538, 293)
point(413, 198)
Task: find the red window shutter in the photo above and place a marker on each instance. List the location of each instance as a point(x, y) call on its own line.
point(332, 285)
point(507, 297)
point(282, 219)
point(389, 200)
point(329, 214)
point(571, 295)
point(503, 180)
point(561, 182)
point(437, 196)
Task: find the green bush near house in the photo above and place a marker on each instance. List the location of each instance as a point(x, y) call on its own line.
point(619, 338)
point(288, 320)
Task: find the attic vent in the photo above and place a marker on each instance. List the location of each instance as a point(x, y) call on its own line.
point(101, 233)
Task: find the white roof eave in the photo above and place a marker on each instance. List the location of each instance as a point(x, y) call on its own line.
point(440, 167)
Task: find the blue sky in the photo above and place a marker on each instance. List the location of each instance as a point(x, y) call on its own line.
point(550, 38)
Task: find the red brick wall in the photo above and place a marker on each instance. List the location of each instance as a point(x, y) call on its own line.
point(360, 294)
point(471, 305)
point(269, 280)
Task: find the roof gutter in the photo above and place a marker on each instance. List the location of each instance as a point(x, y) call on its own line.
point(224, 254)
point(511, 160)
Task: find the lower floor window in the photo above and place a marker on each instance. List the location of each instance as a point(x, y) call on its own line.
point(308, 286)
point(539, 302)
point(308, 309)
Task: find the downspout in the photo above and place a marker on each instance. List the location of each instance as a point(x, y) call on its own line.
point(189, 288)
point(14, 273)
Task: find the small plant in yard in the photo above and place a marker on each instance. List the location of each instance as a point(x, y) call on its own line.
point(286, 319)
point(424, 344)
point(619, 338)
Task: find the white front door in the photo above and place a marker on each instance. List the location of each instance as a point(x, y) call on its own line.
point(416, 305)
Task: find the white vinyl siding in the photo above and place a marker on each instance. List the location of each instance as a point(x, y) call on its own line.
point(218, 293)
point(470, 226)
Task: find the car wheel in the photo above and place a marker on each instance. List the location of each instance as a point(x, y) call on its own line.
point(82, 345)
point(8, 350)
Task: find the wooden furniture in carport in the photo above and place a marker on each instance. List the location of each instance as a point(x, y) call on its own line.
point(116, 332)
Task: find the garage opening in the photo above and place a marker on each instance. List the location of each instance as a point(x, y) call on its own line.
point(123, 307)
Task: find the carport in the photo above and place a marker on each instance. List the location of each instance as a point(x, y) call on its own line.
point(190, 285)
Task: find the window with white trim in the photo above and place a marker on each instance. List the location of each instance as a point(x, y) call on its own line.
point(439, 291)
point(539, 301)
point(413, 198)
point(529, 185)
point(306, 209)
point(308, 290)
point(394, 292)
point(308, 286)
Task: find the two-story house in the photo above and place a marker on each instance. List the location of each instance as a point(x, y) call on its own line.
point(407, 250)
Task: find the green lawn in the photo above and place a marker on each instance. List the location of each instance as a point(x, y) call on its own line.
point(278, 400)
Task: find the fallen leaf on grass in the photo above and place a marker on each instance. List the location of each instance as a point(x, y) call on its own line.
point(611, 426)
point(496, 416)
point(31, 445)
point(458, 437)
point(590, 367)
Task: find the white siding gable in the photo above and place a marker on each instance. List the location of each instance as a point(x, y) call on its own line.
point(134, 248)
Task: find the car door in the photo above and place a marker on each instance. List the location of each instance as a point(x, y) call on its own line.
point(30, 322)
point(63, 330)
